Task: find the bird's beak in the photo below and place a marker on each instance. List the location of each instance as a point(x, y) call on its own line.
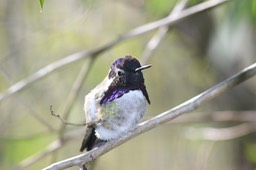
point(142, 67)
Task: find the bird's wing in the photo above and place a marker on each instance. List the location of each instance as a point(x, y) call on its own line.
point(89, 139)
point(92, 110)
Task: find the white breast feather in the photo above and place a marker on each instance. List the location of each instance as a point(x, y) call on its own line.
point(130, 110)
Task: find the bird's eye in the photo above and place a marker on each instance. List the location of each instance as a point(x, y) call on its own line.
point(120, 73)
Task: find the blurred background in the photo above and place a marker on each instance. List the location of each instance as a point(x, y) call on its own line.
point(192, 56)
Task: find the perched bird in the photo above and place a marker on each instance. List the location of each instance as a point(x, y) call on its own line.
point(117, 104)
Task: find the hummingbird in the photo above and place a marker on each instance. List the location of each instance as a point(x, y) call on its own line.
point(117, 104)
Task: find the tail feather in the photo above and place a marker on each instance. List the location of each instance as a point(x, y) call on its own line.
point(89, 139)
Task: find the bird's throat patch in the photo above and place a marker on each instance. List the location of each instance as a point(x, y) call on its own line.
point(113, 94)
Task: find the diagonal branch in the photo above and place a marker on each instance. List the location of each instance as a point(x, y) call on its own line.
point(162, 118)
point(174, 18)
point(169, 20)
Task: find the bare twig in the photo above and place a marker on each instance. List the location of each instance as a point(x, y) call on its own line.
point(65, 122)
point(185, 107)
point(94, 53)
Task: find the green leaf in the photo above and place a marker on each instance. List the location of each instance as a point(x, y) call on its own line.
point(41, 2)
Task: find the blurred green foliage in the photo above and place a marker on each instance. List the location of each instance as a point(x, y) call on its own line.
point(250, 150)
point(243, 9)
point(159, 9)
point(32, 145)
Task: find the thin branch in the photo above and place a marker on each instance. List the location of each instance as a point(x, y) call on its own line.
point(94, 53)
point(42, 73)
point(145, 126)
point(174, 18)
point(65, 122)
point(220, 134)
